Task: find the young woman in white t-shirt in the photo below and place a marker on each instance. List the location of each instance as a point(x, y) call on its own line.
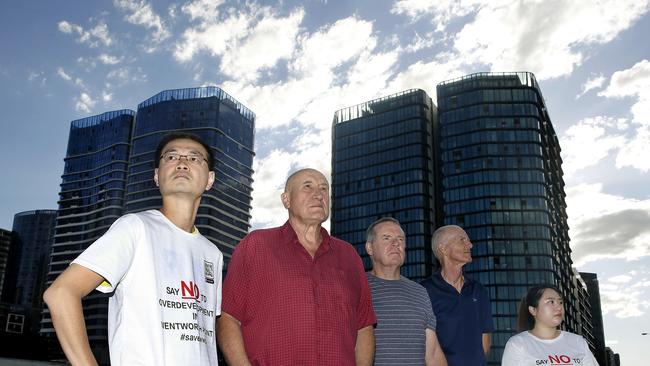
point(540, 342)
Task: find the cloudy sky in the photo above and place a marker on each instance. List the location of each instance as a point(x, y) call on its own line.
point(296, 62)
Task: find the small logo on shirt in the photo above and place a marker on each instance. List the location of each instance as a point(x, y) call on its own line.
point(208, 270)
point(474, 299)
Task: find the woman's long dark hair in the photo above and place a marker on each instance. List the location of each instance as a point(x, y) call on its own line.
point(525, 320)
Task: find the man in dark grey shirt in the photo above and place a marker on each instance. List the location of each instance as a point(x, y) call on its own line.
point(405, 333)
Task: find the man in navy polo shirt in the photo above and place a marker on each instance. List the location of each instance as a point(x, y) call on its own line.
point(461, 305)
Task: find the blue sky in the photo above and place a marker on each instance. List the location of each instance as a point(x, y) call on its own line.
point(296, 62)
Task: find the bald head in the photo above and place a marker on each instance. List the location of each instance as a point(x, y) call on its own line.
point(445, 236)
point(297, 173)
point(306, 197)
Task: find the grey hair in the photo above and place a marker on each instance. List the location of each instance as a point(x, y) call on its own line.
point(440, 237)
point(370, 232)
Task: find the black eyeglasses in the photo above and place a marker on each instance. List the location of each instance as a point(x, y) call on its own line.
point(172, 157)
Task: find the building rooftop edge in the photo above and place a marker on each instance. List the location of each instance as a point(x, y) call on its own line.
point(192, 93)
point(99, 118)
point(484, 74)
point(394, 95)
point(29, 212)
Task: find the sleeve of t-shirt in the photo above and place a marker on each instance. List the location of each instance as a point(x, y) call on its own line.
point(513, 354)
point(589, 359)
point(218, 272)
point(486, 312)
point(431, 317)
point(365, 312)
point(110, 256)
point(236, 283)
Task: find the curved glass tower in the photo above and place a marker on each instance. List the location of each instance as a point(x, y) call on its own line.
point(502, 182)
point(383, 165)
point(91, 199)
point(33, 232)
point(228, 127)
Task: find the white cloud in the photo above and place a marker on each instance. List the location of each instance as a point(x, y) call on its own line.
point(100, 31)
point(79, 82)
point(202, 9)
point(624, 303)
point(311, 93)
point(268, 183)
point(140, 12)
point(213, 37)
point(248, 41)
point(620, 279)
point(443, 11)
point(109, 60)
point(171, 11)
point(84, 103)
point(106, 96)
point(635, 153)
point(270, 40)
point(604, 225)
point(594, 82)
point(333, 45)
point(96, 36)
point(67, 77)
point(63, 74)
point(426, 75)
point(623, 296)
point(634, 83)
point(549, 38)
point(590, 141)
point(520, 36)
point(125, 75)
point(68, 28)
point(420, 42)
point(277, 104)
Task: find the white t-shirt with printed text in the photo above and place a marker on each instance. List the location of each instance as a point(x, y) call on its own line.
point(567, 349)
point(166, 286)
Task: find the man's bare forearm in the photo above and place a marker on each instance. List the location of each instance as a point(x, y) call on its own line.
point(434, 356)
point(486, 339)
point(63, 298)
point(231, 340)
point(365, 347)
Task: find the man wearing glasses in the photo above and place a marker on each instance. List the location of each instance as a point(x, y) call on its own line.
point(164, 276)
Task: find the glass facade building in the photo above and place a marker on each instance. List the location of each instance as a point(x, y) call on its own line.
point(383, 165)
point(31, 244)
point(502, 182)
point(228, 127)
point(91, 199)
point(5, 243)
point(593, 291)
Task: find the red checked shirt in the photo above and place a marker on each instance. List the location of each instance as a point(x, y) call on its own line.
point(295, 310)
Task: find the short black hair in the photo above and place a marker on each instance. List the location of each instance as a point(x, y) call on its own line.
point(167, 138)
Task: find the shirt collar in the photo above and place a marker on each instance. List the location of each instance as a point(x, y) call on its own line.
point(437, 278)
point(288, 232)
